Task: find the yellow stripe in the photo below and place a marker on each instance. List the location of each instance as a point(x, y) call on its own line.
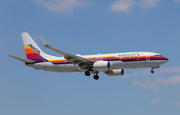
point(147, 55)
point(100, 57)
point(86, 58)
point(103, 57)
point(58, 60)
point(26, 47)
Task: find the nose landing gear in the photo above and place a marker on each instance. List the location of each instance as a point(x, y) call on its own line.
point(152, 71)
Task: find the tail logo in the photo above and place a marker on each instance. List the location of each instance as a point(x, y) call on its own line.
point(33, 48)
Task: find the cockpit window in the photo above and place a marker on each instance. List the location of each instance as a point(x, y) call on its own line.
point(158, 55)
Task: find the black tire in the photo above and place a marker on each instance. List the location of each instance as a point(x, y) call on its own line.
point(96, 77)
point(152, 71)
point(87, 73)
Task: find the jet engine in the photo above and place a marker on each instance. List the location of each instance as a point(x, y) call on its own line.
point(101, 66)
point(116, 72)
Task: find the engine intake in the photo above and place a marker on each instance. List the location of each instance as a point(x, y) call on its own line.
point(116, 72)
point(101, 66)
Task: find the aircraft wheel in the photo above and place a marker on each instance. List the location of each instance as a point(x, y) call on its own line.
point(87, 73)
point(96, 77)
point(152, 71)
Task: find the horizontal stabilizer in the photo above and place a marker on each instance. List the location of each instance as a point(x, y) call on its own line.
point(22, 59)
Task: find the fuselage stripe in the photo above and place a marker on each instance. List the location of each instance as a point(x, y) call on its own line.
point(113, 58)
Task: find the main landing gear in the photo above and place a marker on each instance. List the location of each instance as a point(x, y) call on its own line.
point(96, 77)
point(87, 73)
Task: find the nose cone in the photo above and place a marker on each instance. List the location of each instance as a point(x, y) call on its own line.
point(164, 59)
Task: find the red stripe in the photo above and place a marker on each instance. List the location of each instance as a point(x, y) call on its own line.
point(34, 56)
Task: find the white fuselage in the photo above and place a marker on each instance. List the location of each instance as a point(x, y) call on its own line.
point(117, 61)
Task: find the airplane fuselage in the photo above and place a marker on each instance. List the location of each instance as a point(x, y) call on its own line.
point(127, 60)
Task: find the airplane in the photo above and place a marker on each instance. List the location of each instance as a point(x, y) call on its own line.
point(112, 64)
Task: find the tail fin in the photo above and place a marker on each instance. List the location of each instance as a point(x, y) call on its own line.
point(33, 52)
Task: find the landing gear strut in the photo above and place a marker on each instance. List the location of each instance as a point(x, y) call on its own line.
point(96, 77)
point(87, 73)
point(152, 71)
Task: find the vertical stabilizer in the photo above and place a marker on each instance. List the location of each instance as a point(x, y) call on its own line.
point(33, 52)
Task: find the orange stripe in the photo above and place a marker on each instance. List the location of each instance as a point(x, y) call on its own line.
point(86, 58)
point(105, 57)
point(100, 57)
point(57, 60)
point(29, 51)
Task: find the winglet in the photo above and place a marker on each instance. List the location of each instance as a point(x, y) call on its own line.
point(44, 42)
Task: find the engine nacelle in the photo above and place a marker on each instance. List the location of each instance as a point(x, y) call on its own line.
point(116, 72)
point(101, 66)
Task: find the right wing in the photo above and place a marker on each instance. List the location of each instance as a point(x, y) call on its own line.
point(70, 57)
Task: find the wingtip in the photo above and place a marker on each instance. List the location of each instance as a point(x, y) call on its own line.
point(10, 55)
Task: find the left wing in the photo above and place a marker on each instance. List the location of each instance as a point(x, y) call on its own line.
point(70, 57)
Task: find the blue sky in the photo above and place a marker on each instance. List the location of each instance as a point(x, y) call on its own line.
point(90, 27)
